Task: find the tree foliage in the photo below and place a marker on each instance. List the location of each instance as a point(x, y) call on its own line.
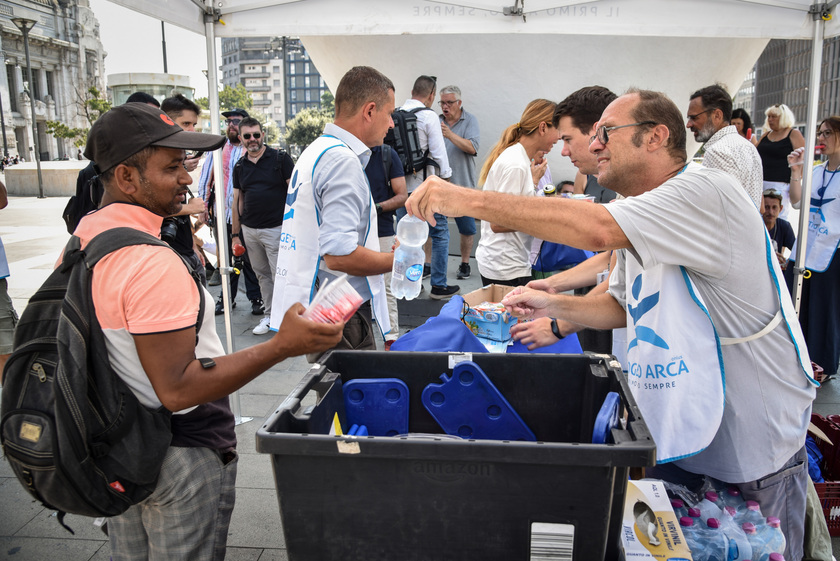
point(307, 125)
point(269, 127)
point(236, 97)
point(92, 104)
point(328, 103)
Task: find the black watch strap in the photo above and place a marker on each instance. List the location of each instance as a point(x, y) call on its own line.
point(555, 329)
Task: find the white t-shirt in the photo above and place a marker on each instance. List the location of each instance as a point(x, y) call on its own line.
point(505, 256)
point(704, 221)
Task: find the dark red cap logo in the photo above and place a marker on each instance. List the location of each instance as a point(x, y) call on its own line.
point(165, 118)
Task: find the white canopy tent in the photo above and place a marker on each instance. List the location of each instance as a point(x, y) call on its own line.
point(503, 56)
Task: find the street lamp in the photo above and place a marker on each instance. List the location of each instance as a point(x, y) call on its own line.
point(25, 24)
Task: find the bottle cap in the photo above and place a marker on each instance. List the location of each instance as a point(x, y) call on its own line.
point(712, 496)
point(733, 492)
point(777, 557)
point(748, 527)
point(677, 503)
point(549, 190)
point(713, 523)
point(686, 521)
point(773, 521)
point(730, 510)
point(752, 505)
point(694, 512)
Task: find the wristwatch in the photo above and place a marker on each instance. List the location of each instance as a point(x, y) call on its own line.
point(235, 236)
point(555, 329)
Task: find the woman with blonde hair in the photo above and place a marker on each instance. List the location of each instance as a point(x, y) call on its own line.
point(779, 140)
point(515, 165)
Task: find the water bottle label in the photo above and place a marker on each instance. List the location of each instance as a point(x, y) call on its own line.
point(414, 273)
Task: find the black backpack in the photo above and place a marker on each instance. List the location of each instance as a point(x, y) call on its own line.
point(405, 139)
point(89, 192)
point(74, 433)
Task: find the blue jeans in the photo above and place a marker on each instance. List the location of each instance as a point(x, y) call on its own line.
point(440, 246)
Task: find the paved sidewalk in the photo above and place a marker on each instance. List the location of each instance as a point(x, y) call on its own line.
point(33, 234)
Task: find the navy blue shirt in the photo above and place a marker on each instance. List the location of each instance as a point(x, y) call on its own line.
point(783, 234)
point(380, 188)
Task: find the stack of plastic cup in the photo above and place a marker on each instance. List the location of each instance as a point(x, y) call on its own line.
point(335, 301)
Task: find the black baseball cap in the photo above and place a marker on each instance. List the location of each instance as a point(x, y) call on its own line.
point(125, 130)
point(236, 111)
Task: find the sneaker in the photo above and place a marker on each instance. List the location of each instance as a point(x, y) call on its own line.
point(442, 292)
point(215, 279)
point(220, 306)
point(464, 271)
point(262, 327)
point(257, 307)
point(427, 271)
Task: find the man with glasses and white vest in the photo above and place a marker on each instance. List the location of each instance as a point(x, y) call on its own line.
point(717, 361)
point(329, 223)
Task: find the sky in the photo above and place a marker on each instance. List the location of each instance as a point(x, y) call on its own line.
point(133, 43)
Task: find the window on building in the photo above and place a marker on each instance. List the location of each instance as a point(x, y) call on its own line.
point(306, 81)
point(10, 77)
point(293, 109)
point(265, 82)
point(276, 69)
point(276, 83)
point(293, 94)
point(306, 68)
point(278, 97)
point(293, 82)
point(291, 69)
point(308, 95)
point(263, 68)
point(35, 86)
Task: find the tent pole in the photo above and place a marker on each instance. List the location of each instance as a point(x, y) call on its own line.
point(221, 223)
point(810, 131)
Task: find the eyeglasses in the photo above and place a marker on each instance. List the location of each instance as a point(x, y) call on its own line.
point(602, 134)
point(694, 117)
point(771, 193)
point(247, 135)
point(232, 121)
point(448, 103)
point(824, 134)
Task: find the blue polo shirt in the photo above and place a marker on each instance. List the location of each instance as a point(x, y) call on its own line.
point(379, 187)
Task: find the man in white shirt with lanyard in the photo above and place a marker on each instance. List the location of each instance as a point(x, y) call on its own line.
point(717, 361)
point(329, 224)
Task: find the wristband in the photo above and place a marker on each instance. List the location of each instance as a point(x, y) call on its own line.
point(234, 235)
point(378, 208)
point(556, 330)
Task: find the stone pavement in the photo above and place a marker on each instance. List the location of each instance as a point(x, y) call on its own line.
point(33, 234)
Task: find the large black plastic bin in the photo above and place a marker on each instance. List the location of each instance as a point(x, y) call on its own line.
point(394, 499)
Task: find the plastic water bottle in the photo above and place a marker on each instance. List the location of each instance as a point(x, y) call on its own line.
point(732, 497)
point(717, 546)
point(407, 274)
point(757, 541)
point(679, 508)
point(694, 536)
point(708, 508)
point(739, 547)
point(752, 513)
point(774, 538)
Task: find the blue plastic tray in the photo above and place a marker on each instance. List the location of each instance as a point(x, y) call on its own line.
point(606, 420)
point(467, 404)
point(380, 404)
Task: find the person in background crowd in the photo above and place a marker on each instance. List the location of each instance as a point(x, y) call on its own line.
point(780, 231)
point(503, 253)
point(566, 188)
point(743, 124)
point(819, 310)
point(779, 140)
point(8, 315)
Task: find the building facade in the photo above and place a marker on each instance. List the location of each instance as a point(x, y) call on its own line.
point(156, 84)
point(782, 74)
point(278, 73)
point(67, 58)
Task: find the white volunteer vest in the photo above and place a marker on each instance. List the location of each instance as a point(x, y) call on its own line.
point(674, 357)
point(299, 255)
point(823, 220)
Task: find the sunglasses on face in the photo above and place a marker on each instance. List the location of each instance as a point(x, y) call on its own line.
point(247, 135)
point(232, 121)
point(602, 134)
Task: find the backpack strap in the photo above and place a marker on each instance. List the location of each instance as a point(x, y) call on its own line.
point(114, 239)
point(427, 161)
point(385, 151)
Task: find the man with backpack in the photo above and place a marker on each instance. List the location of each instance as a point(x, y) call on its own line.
point(433, 149)
point(146, 304)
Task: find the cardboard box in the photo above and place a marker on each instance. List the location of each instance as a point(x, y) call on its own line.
point(647, 511)
point(490, 324)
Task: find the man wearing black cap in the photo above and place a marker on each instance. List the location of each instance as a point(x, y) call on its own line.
point(231, 154)
point(147, 305)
